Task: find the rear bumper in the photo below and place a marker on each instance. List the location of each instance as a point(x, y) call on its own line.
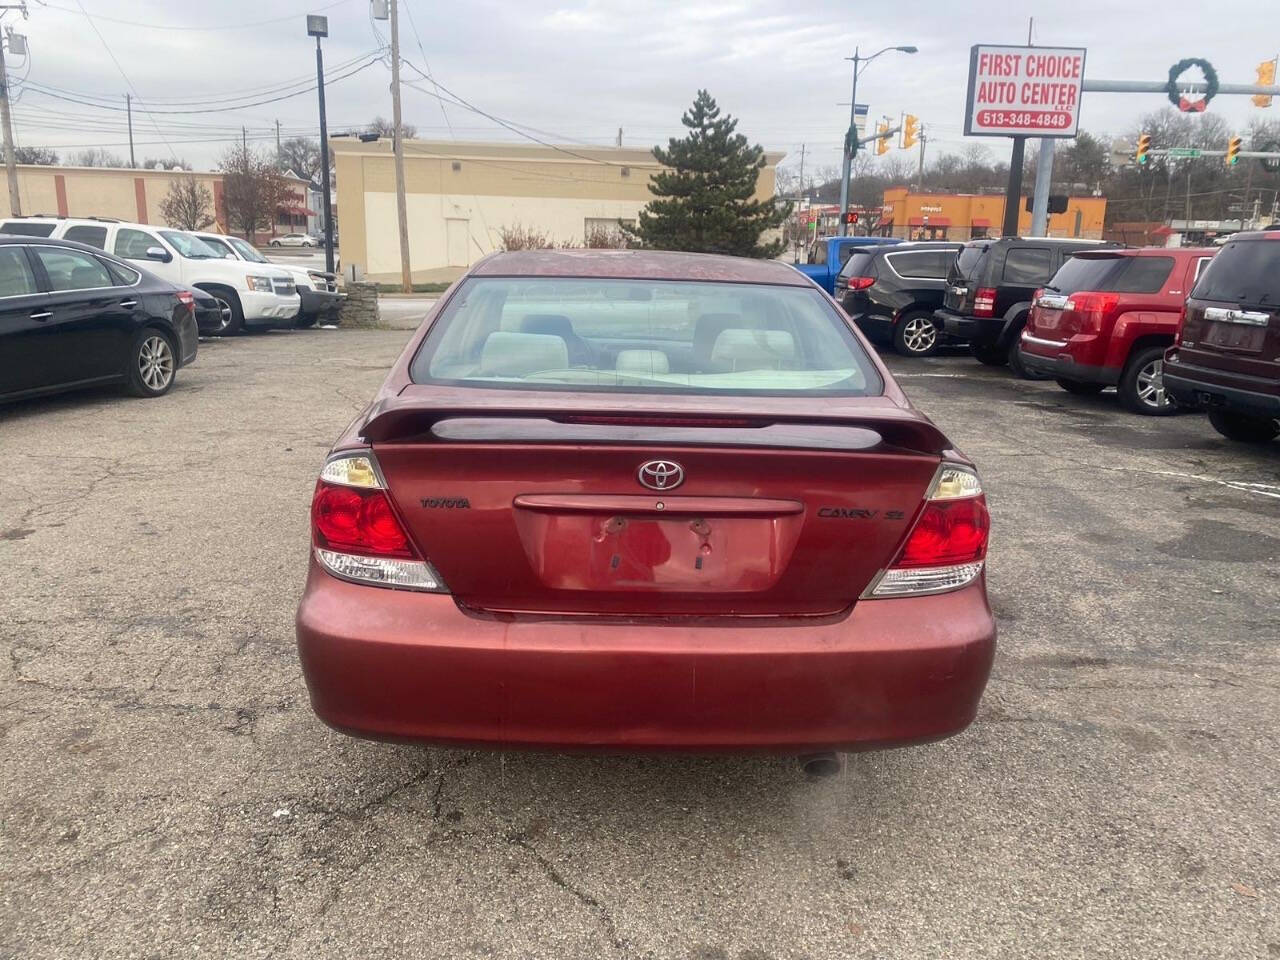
point(396, 665)
point(873, 325)
point(975, 329)
point(1063, 367)
point(188, 338)
point(1201, 387)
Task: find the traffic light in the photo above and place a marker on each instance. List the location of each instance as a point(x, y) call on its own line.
point(910, 131)
point(882, 141)
point(1233, 151)
point(1144, 147)
point(1266, 78)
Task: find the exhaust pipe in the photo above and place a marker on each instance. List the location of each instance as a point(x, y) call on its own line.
point(820, 766)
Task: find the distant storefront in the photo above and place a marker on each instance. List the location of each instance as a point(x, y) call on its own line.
point(965, 216)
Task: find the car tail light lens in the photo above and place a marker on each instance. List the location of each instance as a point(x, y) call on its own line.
point(357, 534)
point(1092, 309)
point(187, 300)
point(947, 547)
point(861, 283)
point(984, 302)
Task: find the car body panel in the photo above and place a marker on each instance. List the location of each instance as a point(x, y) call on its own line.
point(827, 255)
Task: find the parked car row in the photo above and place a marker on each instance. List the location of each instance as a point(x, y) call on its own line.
point(251, 292)
point(92, 302)
point(1168, 328)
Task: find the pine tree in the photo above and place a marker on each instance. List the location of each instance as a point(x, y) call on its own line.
point(706, 191)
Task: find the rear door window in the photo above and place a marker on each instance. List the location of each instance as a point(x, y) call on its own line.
point(1143, 275)
point(83, 233)
point(1027, 266)
point(73, 270)
point(22, 228)
point(1244, 272)
point(921, 265)
point(969, 264)
point(16, 278)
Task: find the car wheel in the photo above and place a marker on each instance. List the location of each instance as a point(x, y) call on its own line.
point(1141, 387)
point(1081, 388)
point(152, 363)
point(275, 243)
point(1016, 366)
point(915, 335)
point(232, 313)
point(224, 310)
point(989, 354)
point(309, 320)
point(1246, 429)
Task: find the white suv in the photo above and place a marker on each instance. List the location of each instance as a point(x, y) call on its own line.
point(255, 295)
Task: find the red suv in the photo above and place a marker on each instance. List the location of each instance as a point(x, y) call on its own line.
point(1227, 357)
point(1106, 319)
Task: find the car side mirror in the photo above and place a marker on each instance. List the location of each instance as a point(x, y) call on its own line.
point(159, 253)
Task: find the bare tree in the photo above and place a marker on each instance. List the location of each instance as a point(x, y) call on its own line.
point(384, 128)
point(188, 205)
point(302, 156)
point(524, 238)
point(96, 157)
point(252, 189)
point(40, 155)
point(159, 163)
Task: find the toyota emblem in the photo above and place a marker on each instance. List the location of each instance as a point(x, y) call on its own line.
point(661, 474)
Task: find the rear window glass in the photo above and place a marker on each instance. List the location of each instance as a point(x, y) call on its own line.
point(1112, 274)
point(665, 336)
point(1244, 272)
point(922, 265)
point(82, 233)
point(21, 229)
point(969, 261)
point(859, 265)
point(1027, 266)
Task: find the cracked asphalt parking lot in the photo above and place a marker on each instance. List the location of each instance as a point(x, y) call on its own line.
point(166, 791)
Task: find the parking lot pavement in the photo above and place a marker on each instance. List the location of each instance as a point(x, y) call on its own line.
point(166, 789)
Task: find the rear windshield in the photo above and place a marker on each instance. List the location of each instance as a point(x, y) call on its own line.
point(1244, 272)
point(970, 261)
point(1112, 274)
point(667, 336)
point(859, 265)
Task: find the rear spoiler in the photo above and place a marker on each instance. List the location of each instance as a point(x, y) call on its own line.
point(496, 416)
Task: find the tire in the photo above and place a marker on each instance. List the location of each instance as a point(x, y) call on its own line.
point(228, 301)
point(275, 243)
point(153, 363)
point(1243, 428)
point(989, 354)
point(1081, 388)
point(916, 335)
point(301, 322)
point(1141, 386)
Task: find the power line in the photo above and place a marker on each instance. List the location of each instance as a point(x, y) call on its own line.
point(202, 29)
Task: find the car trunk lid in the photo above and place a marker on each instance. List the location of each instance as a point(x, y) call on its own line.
point(601, 505)
point(1232, 320)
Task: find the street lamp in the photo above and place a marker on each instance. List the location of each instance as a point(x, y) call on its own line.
point(318, 27)
point(851, 139)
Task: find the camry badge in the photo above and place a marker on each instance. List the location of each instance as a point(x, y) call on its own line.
point(660, 474)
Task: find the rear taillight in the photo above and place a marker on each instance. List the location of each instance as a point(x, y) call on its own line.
point(861, 283)
point(356, 532)
point(948, 544)
point(1092, 309)
point(984, 302)
point(187, 300)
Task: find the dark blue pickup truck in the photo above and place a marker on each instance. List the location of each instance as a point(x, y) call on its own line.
point(827, 255)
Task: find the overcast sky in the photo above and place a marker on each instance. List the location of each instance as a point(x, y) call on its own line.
point(579, 70)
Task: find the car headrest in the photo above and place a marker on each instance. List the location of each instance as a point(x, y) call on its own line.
point(554, 324)
point(705, 330)
point(507, 354)
point(642, 361)
point(753, 349)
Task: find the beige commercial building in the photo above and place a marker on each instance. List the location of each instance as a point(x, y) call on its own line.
point(461, 196)
point(125, 193)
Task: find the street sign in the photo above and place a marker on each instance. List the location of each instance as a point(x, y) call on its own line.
point(1270, 164)
point(1024, 91)
point(1182, 152)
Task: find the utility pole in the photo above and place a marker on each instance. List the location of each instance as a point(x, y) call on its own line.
point(397, 147)
point(802, 193)
point(318, 26)
point(10, 160)
point(128, 107)
point(923, 141)
point(619, 136)
point(850, 146)
point(278, 158)
point(1040, 198)
point(244, 138)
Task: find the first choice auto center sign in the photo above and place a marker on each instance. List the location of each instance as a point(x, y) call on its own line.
point(1024, 91)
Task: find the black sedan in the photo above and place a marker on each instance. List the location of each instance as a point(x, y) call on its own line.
point(73, 316)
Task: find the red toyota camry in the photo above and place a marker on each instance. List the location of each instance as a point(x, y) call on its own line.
point(627, 499)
